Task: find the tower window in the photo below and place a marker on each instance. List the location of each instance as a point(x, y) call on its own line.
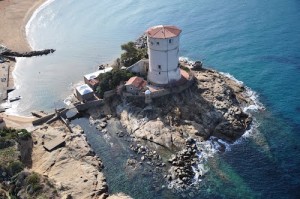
point(170, 41)
point(157, 43)
point(159, 66)
point(159, 73)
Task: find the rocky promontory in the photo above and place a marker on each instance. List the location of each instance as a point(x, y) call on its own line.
point(211, 109)
point(213, 106)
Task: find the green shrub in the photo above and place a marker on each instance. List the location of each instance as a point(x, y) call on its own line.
point(33, 179)
point(110, 80)
point(15, 167)
point(132, 54)
point(23, 134)
point(8, 134)
point(184, 68)
point(36, 187)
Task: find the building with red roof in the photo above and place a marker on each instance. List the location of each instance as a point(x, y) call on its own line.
point(135, 84)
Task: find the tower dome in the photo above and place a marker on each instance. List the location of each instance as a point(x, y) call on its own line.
point(163, 49)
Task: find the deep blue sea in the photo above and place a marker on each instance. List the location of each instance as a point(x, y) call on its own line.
point(256, 41)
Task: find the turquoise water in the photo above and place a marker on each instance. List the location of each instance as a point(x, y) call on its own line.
point(258, 42)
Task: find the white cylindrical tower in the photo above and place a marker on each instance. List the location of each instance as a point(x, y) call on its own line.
point(163, 49)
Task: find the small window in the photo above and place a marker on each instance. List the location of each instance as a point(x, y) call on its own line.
point(170, 41)
point(159, 73)
point(159, 66)
point(157, 43)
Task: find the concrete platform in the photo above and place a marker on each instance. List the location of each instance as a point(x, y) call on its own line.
point(54, 143)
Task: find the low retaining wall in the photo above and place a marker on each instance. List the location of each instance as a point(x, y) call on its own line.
point(47, 117)
point(43, 119)
point(89, 104)
point(162, 92)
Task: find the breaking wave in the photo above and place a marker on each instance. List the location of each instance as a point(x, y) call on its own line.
point(34, 15)
point(210, 147)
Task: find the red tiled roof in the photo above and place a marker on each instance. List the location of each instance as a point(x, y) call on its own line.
point(137, 82)
point(163, 31)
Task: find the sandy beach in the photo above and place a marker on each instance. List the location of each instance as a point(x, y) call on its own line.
point(14, 14)
point(19, 122)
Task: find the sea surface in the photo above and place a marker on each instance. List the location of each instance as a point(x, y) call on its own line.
point(256, 41)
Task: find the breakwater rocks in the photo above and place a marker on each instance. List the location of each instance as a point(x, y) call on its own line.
point(7, 54)
point(181, 173)
point(149, 156)
point(141, 42)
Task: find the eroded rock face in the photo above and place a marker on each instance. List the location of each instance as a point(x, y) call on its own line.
point(74, 168)
point(227, 98)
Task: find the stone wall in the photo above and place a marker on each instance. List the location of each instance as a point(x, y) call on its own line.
point(89, 104)
point(140, 67)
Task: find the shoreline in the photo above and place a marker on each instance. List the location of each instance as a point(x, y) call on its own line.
point(14, 16)
point(194, 129)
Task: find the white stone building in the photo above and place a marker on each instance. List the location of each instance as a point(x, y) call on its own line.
point(84, 92)
point(163, 49)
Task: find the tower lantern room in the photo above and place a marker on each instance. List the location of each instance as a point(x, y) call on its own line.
point(163, 49)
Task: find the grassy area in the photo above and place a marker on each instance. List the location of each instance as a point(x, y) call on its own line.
point(32, 185)
point(23, 184)
point(8, 155)
point(10, 163)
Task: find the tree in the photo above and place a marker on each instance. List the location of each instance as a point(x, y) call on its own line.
point(132, 54)
point(110, 80)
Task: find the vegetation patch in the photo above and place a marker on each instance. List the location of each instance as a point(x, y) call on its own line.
point(186, 69)
point(10, 163)
point(32, 185)
point(110, 80)
point(132, 54)
point(13, 134)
